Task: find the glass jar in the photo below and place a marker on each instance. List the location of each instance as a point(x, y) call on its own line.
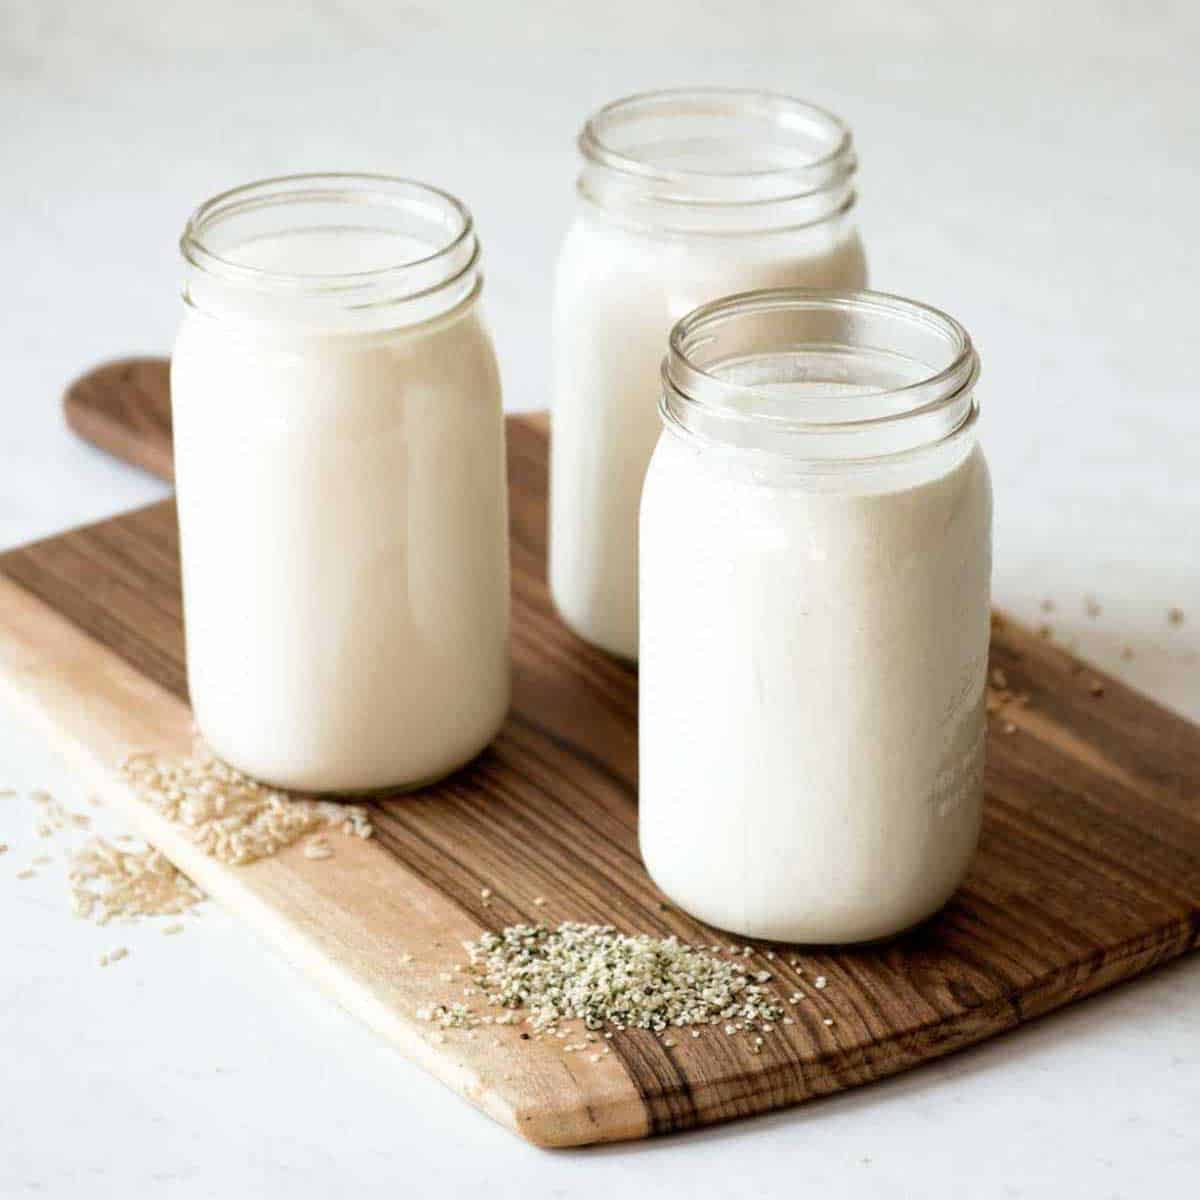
point(815, 575)
point(340, 476)
point(684, 196)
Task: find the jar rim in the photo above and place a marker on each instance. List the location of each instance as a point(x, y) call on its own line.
point(407, 277)
point(781, 119)
point(870, 420)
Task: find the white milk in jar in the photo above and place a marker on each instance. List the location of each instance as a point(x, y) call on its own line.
point(815, 574)
point(339, 460)
point(683, 197)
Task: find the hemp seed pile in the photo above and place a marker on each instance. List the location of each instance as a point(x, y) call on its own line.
point(231, 817)
point(607, 979)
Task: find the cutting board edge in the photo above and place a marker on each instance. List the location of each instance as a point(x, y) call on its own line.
point(139, 433)
point(589, 1121)
point(546, 1125)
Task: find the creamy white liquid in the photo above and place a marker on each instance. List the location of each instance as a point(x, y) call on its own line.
point(812, 676)
point(343, 518)
point(617, 294)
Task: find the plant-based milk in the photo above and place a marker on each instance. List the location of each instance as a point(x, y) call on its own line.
point(812, 680)
point(342, 510)
point(641, 254)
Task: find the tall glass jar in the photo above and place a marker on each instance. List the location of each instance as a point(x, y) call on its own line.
point(815, 574)
point(684, 196)
point(340, 475)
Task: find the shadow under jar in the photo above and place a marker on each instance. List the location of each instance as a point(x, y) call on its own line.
point(340, 475)
point(684, 196)
point(815, 578)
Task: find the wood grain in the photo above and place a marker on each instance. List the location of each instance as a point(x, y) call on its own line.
point(1088, 871)
point(124, 407)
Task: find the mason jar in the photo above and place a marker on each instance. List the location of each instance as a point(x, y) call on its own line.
point(684, 196)
point(815, 575)
point(340, 479)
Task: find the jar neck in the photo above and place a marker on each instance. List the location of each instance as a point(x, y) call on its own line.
point(331, 254)
point(717, 161)
point(820, 381)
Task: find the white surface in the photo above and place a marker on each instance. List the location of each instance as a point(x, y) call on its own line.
point(1031, 168)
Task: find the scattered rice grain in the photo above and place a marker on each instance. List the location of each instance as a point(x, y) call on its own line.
point(229, 816)
point(109, 881)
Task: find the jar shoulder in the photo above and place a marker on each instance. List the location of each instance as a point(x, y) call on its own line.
point(441, 372)
point(830, 253)
point(686, 479)
point(463, 332)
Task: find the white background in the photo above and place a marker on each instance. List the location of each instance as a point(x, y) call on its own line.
point(1032, 168)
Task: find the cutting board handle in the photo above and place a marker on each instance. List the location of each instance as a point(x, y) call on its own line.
point(124, 407)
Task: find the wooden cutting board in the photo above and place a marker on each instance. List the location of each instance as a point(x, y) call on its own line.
point(1088, 871)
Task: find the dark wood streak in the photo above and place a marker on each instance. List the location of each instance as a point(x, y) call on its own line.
point(125, 407)
point(84, 588)
point(1088, 870)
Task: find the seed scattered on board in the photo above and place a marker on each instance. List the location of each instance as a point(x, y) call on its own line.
point(609, 982)
point(229, 816)
point(582, 972)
